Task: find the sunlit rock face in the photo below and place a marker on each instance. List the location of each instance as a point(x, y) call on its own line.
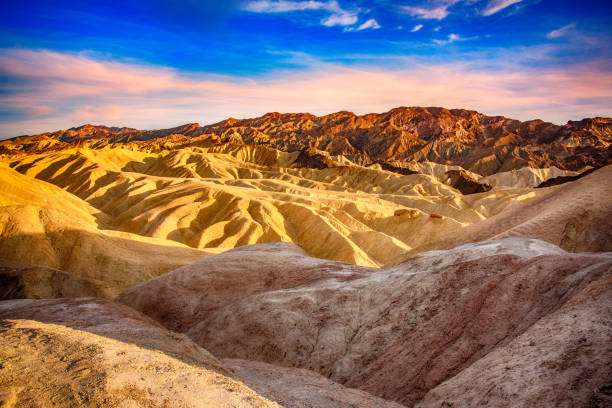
point(476, 142)
point(420, 257)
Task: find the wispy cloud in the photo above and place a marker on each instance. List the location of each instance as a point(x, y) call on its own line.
point(561, 32)
point(495, 6)
point(282, 6)
point(340, 20)
point(370, 24)
point(437, 13)
point(431, 10)
point(451, 39)
point(51, 90)
point(338, 16)
point(416, 28)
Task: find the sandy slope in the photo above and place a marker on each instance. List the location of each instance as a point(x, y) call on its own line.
point(186, 296)
point(515, 320)
point(121, 215)
point(299, 388)
point(92, 352)
point(576, 216)
point(399, 333)
point(209, 200)
point(524, 177)
point(110, 220)
point(563, 360)
point(41, 224)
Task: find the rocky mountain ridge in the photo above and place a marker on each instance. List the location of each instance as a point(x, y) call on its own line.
point(479, 143)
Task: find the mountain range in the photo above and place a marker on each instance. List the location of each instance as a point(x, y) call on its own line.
point(476, 142)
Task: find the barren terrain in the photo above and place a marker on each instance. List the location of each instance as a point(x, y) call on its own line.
point(422, 257)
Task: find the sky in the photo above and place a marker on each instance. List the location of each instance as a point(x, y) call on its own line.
point(162, 63)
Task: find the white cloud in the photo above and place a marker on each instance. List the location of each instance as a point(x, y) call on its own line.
point(339, 16)
point(416, 28)
point(282, 6)
point(451, 39)
point(497, 5)
point(371, 23)
point(561, 32)
point(437, 13)
point(341, 19)
point(438, 9)
point(431, 10)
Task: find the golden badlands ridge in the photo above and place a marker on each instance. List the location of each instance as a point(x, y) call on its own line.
point(421, 257)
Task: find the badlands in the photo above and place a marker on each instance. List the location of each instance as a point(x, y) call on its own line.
point(422, 257)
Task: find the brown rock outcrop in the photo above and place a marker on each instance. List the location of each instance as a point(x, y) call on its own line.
point(465, 183)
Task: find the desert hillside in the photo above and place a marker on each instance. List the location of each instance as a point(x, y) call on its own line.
point(421, 257)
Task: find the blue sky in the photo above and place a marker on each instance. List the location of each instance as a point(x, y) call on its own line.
point(163, 63)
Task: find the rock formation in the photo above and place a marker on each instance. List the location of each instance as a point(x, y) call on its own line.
point(421, 257)
point(476, 142)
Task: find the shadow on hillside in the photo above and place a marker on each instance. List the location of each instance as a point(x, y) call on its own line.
point(116, 262)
